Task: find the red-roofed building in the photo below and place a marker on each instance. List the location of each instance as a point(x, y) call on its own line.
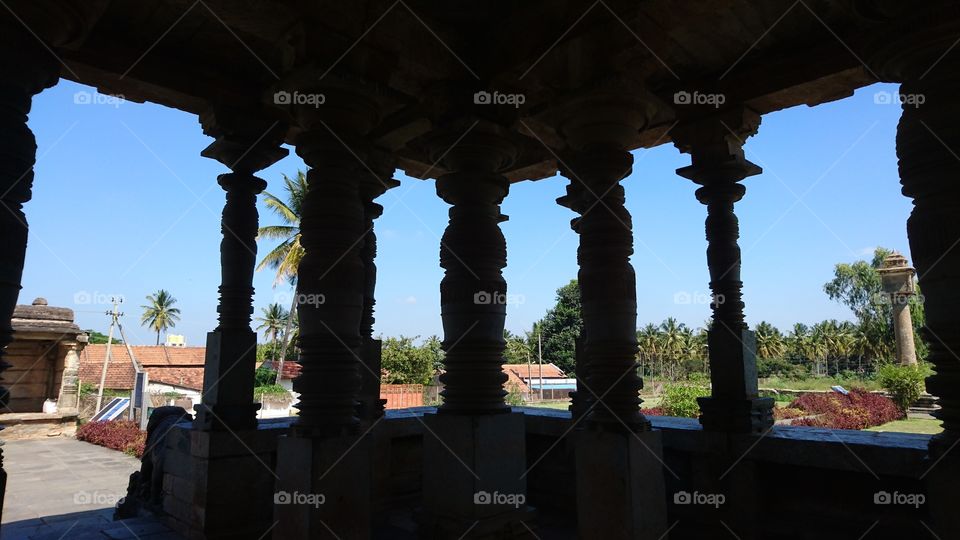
point(177, 367)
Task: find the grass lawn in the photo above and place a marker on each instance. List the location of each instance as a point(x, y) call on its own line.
point(817, 383)
point(911, 425)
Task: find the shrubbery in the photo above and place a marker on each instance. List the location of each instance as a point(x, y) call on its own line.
point(905, 383)
point(859, 409)
point(123, 435)
point(781, 367)
point(681, 400)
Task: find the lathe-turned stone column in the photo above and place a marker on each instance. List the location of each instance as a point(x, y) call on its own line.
point(372, 186)
point(327, 457)
point(619, 474)
point(896, 278)
point(928, 140)
point(474, 449)
point(26, 69)
point(226, 447)
point(716, 148)
point(245, 143)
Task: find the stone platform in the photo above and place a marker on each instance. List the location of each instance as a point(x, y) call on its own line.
point(59, 487)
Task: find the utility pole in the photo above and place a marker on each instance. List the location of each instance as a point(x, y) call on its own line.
point(103, 373)
point(529, 366)
point(540, 355)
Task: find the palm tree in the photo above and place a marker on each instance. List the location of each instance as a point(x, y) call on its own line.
point(648, 345)
point(273, 323)
point(674, 343)
point(285, 258)
point(159, 313)
point(770, 342)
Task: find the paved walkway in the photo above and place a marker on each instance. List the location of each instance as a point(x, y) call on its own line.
point(63, 488)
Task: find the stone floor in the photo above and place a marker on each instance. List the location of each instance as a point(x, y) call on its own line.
point(59, 487)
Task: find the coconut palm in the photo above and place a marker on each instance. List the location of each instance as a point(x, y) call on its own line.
point(273, 323)
point(285, 258)
point(770, 342)
point(159, 313)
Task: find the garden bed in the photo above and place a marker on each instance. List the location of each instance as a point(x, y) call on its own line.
point(123, 435)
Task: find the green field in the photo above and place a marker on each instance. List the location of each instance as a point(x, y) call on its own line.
point(911, 425)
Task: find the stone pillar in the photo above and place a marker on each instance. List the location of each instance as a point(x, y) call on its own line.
point(70, 380)
point(928, 137)
point(226, 448)
point(245, 143)
point(372, 186)
point(715, 145)
point(326, 457)
point(896, 277)
point(26, 68)
point(470, 483)
point(619, 472)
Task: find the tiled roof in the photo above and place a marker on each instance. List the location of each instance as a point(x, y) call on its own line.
point(516, 373)
point(178, 366)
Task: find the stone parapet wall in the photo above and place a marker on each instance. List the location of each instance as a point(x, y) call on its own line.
point(822, 482)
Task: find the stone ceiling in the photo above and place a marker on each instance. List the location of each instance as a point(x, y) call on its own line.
point(424, 60)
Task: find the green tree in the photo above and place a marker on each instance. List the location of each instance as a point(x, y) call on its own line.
point(96, 338)
point(402, 362)
point(770, 342)
point(273, 323)
point(517, 350)
point(560, 328)
point(159, 314)
point(285, 258)
point(857, 285)
point(434, 350)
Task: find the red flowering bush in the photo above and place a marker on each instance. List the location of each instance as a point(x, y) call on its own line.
point(859, 409)
point(123, 435)
point(654, 411)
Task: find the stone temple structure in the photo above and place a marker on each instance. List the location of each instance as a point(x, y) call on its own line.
point(475, 96)
point(896, 278)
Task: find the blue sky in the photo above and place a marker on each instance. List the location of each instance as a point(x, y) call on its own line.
point(124, 205)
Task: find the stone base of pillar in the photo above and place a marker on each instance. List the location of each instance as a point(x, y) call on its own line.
point(370, 405)
point(228, 376)
point(736, 416)
point(226, 489)
point(324, 488)
point(474, 481)
point(620, 485)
